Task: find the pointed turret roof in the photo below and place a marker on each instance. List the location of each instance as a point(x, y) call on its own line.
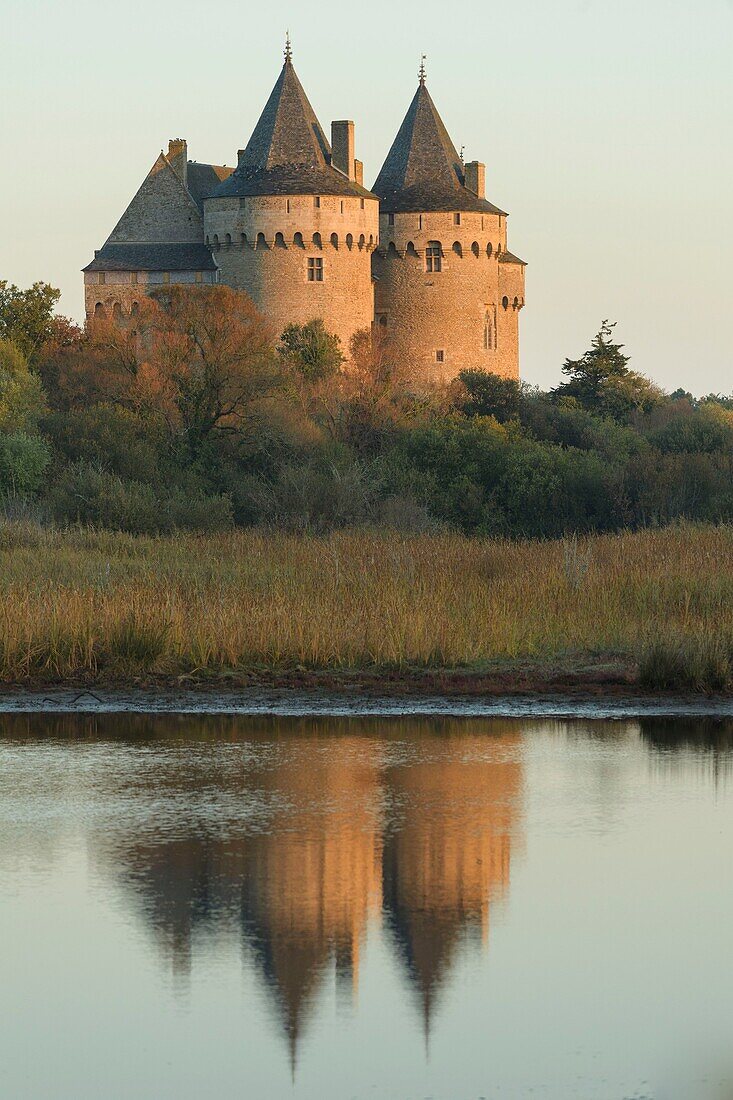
point(423, 171)
point(288, 153)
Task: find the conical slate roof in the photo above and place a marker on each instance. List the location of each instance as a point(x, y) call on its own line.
point(423, 171)
point(288, 153)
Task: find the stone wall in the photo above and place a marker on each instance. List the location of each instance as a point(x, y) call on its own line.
point(262, 245)
point(443, 321)
point(118, 294)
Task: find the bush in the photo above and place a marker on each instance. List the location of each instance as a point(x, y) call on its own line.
point(86, 494)
point(23, 462)
point(327, 493)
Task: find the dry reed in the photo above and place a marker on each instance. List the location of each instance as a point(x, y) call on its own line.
point(84, 603)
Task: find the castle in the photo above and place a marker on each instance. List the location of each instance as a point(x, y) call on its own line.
point(423, 255)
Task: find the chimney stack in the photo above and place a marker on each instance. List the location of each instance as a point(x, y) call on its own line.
point(476, 178)
point(178, 156)
point(359, 172)
point(342, 147)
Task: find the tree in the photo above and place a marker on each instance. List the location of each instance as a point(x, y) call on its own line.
point(26, 316)
point(199, 361)
point(601, 382)
point(22, 401)
point(487, 394)
point(311, 350)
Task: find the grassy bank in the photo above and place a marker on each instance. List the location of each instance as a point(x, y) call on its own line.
point(654, 608)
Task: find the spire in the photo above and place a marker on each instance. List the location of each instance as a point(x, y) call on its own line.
point(423, 170)
point(288, 49)
point(422, 74)
point(288, 131)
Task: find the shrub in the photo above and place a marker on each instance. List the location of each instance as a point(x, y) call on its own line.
point(23, 462)
point(86, 494)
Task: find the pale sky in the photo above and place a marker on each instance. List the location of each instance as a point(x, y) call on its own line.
point(606, 129)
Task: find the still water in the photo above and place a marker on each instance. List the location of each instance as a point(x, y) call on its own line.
point(221, 906)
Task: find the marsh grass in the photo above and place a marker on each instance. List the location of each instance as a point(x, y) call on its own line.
point(82, 602)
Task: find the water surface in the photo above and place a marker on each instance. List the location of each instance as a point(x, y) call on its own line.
point(365, 907)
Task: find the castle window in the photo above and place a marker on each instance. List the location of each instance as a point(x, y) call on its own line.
point(243, 240)
point(411, 250)
point(261, 241)
point(317, 202)
point(287, 206)
point(391, 249)
point(102, 278)
point(505, 302)
point(228, 240)
point(440, 356)
point(362, 204)
point(335, 240)
point(135, 309)
point(279, 240)
point(433, 256)
point(315, 269)
point(488, 331)
point(419, 221)
point(362, 241)
point(489, 249)
point(298, 240)
point(317, 240)
point(475, 249)
point(342, 206)
point(390, 219)
point(349, 240)
point(456, 219)
point(457, 248)
point(382, 319)
point(99, 310)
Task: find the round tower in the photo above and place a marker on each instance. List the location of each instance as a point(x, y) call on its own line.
point(447, 291)
point(293, 226)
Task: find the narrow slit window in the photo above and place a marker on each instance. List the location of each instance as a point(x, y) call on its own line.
point(440, 356)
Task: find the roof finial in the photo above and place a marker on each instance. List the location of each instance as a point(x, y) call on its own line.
point(288, 48)
point(422, 74)
point(463, 150)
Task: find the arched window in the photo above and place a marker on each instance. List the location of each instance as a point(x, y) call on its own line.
point(411, 250)
point(489, 249)
point(243, 240)
point(279, 240)
point(371, 240)
point(317, 240)
point(99, 310)
point(475, 249)
point(135, 309)
point(228, 240)
point(298, 240)
point(216, 242)
point(434, 256)
point(505, 302)
point(207, 240)
point(457, 248)
point(261, 241)
point(391, 249)
point(349, 240)
point(335, 240)
point(362, 241)
point(515, 303)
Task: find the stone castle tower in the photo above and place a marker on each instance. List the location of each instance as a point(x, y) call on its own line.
point(424, 256)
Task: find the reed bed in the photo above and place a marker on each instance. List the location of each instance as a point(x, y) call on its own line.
point(81, 604)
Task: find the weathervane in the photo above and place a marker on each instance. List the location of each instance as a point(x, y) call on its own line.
point(422, 74)
point(288, 47)
point(463, 150)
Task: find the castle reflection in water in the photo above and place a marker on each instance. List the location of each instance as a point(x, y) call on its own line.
point(320, 828)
